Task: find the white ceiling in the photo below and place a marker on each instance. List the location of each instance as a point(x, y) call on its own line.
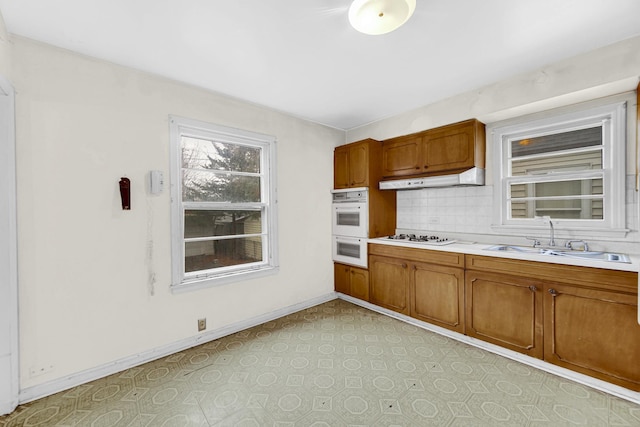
point(303, 58)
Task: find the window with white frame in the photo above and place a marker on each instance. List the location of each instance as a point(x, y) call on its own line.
point(569, 167)
point(223, 204)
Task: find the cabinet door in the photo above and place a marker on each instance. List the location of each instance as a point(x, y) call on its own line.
point(448, 149)
point(359, 282)
point(389, 283)
point(401, 156)
point(341, 167)
point(341, 276)
point(437, 295)
point(359, 165)
point(504, 310)
point(594, 332)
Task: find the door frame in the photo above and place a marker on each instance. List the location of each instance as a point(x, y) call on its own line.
point(9, 363)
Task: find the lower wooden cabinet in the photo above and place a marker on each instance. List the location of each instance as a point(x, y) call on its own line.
point(580, 318)
point(427, 285)
point(505, 310)
point(351, 281)
point(436, 295)
point(593, 331)
point(389, 283)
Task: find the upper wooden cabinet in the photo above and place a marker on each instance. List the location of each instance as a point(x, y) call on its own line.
point(357, 164)
point(447, 149)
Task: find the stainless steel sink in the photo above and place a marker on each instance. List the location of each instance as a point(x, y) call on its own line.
point(594, 255)
point(510, 248)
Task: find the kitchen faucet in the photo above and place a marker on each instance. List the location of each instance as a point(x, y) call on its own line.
point(545, 219)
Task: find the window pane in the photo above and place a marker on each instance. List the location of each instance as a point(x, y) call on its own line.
point(557, 142)
point(560, 163)
point(198, 223)
point(219, 156)
point(567, 205)
point(558, 209)
point(201, 186)
point(585, 187)
point(222, 253)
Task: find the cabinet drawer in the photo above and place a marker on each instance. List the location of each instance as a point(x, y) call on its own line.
point(416, 254)
point(625, 281)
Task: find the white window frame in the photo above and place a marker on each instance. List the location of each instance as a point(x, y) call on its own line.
point(612, 117)
point(181, 281)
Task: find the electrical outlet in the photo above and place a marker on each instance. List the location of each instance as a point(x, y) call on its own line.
point(202, 324)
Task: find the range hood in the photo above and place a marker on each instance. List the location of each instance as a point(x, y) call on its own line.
point(473, 176)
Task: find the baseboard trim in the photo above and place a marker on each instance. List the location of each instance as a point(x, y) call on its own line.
point(73, 380)
point(615, 390)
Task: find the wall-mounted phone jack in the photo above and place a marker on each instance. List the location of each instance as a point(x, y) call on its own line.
point(202, 324)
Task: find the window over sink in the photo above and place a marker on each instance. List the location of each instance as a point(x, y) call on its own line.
point(569, 167)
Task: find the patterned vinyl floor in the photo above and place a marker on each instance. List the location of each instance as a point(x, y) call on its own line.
point(335, 364)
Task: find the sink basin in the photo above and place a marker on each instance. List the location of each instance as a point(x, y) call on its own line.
point(598, 256)
point(510, 248)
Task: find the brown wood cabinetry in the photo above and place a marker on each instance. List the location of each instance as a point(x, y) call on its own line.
point(358, 165)
point(447, 149)
point(427, 285)
point(355, 164)
point(594, 332)
point(589, 315)
point(437, 295)
point(341, 168)
point(351, 281)
point(579, 318)
point(402, 156)
point(389, 283)
point(505, 310)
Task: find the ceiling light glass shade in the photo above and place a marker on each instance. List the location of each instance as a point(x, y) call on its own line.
point(380, 16)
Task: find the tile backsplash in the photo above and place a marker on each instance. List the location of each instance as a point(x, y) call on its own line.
point(470, 209)
point(453, 209)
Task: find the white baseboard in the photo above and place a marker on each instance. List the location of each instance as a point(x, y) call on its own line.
point(621, 392)
point(60, 384)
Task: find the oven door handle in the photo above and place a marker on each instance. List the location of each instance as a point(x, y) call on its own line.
point(348, 239)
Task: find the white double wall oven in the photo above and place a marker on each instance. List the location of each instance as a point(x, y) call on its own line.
point(350, 225)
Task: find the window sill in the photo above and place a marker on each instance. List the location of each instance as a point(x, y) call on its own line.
point(213, 281)
point(569, 232)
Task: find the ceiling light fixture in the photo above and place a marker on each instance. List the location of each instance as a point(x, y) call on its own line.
point(375, 17)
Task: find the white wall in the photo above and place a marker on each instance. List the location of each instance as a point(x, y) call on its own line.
point(611, 70)
point(85, 293)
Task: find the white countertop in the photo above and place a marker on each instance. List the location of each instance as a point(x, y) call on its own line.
point(480, 249)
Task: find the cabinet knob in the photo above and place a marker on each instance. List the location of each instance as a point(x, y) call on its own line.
point(553, 292)
point(533, 288)
point(404, 265)
point(417, 167)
